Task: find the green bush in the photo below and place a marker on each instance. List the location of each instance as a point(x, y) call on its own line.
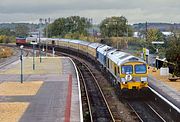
point(7, 39)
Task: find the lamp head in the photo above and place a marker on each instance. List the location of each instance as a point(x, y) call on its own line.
point(21, 47)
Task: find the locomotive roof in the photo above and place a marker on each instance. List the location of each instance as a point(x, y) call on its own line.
point(120, 58)
point(104, 49)
point(94, 45)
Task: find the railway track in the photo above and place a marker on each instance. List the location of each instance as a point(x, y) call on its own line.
point(98, 107)
point(144, 111)
point(15, 56)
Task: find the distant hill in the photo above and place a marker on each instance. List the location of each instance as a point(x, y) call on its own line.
point(12, 26)
point(160, 26)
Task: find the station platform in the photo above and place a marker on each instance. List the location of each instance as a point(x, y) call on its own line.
point(50, 93)
point(168, 89)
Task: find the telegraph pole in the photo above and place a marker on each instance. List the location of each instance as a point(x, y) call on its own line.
point(127, 34)
point(146, 31)
point(127, 29)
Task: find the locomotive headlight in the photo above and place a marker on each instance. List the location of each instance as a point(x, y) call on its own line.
point(123, 79)
point(143, 78)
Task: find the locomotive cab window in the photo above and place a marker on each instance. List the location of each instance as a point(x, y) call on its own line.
point(115, 72)
point(53, 42)
point(126, 69)
point(140, 68)
point(108, 63)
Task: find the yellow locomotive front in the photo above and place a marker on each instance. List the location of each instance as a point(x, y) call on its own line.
point(131, 72)
point(133, 75)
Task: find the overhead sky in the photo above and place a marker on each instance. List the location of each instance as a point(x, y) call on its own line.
point(134, 10)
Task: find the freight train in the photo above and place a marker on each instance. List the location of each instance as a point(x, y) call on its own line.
point(127, 72)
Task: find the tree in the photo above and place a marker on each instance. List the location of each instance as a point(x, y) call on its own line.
point(173, 53)
point(21, 30)
point(6, 32)
point(154, 35)
point(6, 39)
point(115, 27)
point(6, 35)
point(69, 25)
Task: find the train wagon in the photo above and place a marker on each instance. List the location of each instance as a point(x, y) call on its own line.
point(92, 50)
point(73, 45)
point(83, 47)
point(63, 43)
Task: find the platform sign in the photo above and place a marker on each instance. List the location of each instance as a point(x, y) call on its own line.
point(145, 54)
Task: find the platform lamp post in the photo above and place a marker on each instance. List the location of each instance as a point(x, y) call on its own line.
point(53, 51)
point(40, 20)
point(33, 43)
point(127, 33)
point(33, 59)
point(46, 35)
point(21, 58)
point(47, 21)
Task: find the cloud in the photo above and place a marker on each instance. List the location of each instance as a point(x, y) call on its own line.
point(134, 10)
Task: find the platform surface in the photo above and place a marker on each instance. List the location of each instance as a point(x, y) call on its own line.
point(168, 89)
point(50, 93)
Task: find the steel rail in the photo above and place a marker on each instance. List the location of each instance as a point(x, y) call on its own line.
point(156, 112)
point(140, 119)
